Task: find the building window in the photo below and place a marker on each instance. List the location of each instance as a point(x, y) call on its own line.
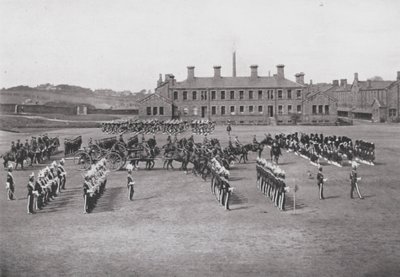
point(241, 95)
point(289, 108)
point(232, 109)
point(241, 109)
point(320, 109)
point(148, 110)
point(185, 95)
point(223, 95)
point(251, 109)
point(280, 109)
point(195, 111)
point(203, 95)
point(185, 111)
point(161, 110)
point(298, 108)
point(280, 94)
point(314, 109)
point(194, 95)
point(232, 95)
point(259, 94)
point(250, 94)
point(175, 95)
point(298, 93)
point(392, 112)
point(326, 109)
point(289, 94)
point(213, 95)
point(213, 110)
point(155, 110)
point(272, 94)
point(222, 110)
point(260, 109)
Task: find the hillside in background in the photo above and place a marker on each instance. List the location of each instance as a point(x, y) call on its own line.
point(61, 95)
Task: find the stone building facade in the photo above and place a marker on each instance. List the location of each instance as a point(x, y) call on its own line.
point(373, 100)
point(155, 106)
point(249, 99)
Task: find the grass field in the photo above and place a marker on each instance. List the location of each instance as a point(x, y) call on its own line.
point(175, 227)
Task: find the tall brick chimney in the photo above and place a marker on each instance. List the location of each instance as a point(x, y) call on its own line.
point(343, 82)
point(356, 76)
point(190, 75)
point(253, 71)
point(234, 64)
point(280, 71)
point(300, 78)
point(335, 83)
point(217, 71)
point(398, 75)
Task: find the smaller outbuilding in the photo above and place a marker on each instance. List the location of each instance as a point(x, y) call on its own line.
point(155, 106)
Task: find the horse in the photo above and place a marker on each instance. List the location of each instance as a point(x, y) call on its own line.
point(179, 155)
point(19, 157)
point(275, 153)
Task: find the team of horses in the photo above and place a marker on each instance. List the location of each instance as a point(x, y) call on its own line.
point(29, 155)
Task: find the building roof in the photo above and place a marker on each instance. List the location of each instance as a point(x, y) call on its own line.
point(324, 89)
point(155, 95)
point(378, 102)
point(236, 82)
point(365, 85)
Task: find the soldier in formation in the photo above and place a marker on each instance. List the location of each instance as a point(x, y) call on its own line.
point(94, 185)
point(271, 182)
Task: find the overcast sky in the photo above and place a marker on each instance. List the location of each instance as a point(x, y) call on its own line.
point(124, 45)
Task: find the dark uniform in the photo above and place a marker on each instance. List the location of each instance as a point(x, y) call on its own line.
point(10, 184)
point(320, 183)
point(353, 183)
point(130, 185)
point(31, 188)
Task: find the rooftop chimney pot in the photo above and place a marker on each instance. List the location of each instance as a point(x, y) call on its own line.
point(253, 69)
point(217, 71)
point(335, 83)
point(190, 75)
point(280, 71)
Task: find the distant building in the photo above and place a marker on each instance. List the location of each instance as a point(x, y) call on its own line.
point(249, 99)
point(373, 100)
point(155, 106)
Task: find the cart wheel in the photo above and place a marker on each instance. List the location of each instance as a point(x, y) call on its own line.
point(114, 161)
point(83, 160)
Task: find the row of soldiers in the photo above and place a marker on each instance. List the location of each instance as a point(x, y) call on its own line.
point(332, 148)
point(48, 185)
point(271, 182)
point(94, 184)
point(220, 186)
point(150, 126)
point(202, 127)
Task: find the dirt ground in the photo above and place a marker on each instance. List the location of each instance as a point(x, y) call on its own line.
point(175, 227)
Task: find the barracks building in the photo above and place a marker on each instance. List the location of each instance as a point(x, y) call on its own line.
point(378, 101)
point(251, 99)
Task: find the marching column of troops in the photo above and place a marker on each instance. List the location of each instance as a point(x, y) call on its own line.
point(94, 185)
point(220, 186)
point(271, 182)
point(48, 185)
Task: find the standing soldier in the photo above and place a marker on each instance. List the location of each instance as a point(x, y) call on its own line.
point(31, 189)
point(13, 147)
point(353, 181)
point(62, 174)
point(10, 183)
point(86, 188)
point(27, 146)
point(229, 129)
point(130, 183)
point(320, 183)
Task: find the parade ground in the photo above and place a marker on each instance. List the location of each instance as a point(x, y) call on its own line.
point(175, 226)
